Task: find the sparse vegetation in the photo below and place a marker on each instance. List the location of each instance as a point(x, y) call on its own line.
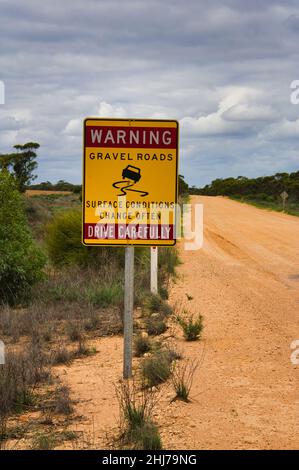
point(136, 409)
point(191, 327)
point(156, 369)
point(104, 296)
point(78, 295)
point(155, 304)
point(19, 375)
point(142, 344)
point(63, 402)
point(182, 378)
point(84, 350)
point(146, 437)
point(171, 352)
point(155, 325)
point(74, 331)
point(61, 356)
point(44, 442)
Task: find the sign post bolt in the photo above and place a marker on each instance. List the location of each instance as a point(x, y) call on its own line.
point(128, 312)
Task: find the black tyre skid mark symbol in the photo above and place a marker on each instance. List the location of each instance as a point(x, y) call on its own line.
point(126, 188)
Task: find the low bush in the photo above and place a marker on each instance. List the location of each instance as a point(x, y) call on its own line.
point(44, 442)
point(172, 353)
point(136, 407)
point(63, 402)
point(104, 296)
point(21, 261)
point(147, 437)
point(74, 331)
point(191, 328)
point(91, 323)
point(136, 410)
point(142, 344)
point(166, 310)
point(154, 303)
point(18, 378)
point(155, 325)
point(156, 369)
point(168, 260)
point(61, 356)
point(163, 292)
point(65, 248)
point(182, 379)
point(84, 350)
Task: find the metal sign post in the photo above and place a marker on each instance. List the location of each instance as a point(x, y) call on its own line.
point(154, 269)
point(128, 311)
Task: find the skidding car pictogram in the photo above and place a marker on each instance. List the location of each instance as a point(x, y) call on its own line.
point(132, 173)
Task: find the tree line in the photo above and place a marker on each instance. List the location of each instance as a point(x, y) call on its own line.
point(61, 185)
point(263, 187)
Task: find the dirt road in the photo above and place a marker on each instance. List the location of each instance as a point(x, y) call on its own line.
point(245, 281)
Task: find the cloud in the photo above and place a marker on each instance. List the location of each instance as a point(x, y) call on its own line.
point(221, 69)
point(107, 110)
point(235, 116)
point(284, 130)
point(245, 112)
point(9, 123)
point(73, 127)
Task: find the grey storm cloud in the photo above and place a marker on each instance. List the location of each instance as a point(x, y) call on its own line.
point(222, 68)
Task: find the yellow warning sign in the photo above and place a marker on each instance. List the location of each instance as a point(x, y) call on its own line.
point(130, 181)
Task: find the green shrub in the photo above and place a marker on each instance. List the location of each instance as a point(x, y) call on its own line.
point(147, 437)
point(166, 309)
point(172, 353)
point(163, 292)
point(156, 369)
point(191, 328)
point(182, 379)
point(104, 296)
point(65, 247)
point(44, 442)
point(153, 303)
point(136, 409)
point(155, 326)
point(64, 239)
point(65, 293)
point(21, 262)
point(168, 260)
point(142, 344)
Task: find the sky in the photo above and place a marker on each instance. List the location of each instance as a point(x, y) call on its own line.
point(222, 68)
